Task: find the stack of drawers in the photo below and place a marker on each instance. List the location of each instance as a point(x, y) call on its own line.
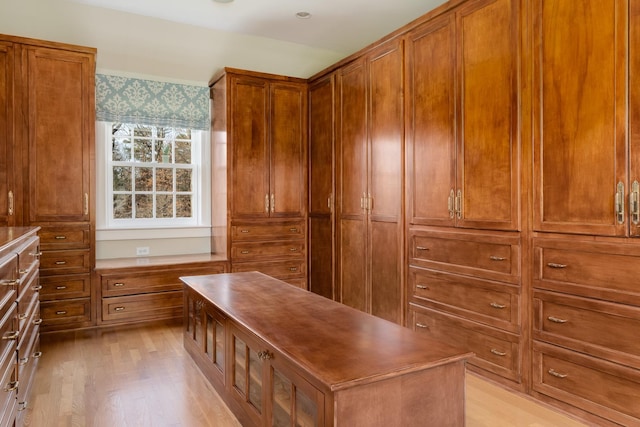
point(464, 289)
point(65, 276)
point(276, 249)
point(586, 325)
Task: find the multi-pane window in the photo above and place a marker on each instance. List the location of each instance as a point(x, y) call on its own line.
point(152, 174)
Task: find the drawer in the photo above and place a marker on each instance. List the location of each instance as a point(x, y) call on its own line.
point(594, 385)
point(28, 257)
point(599, 328)
point(486, 256)
point(8, 333)
point(26, 311)
point(65, 287)
point(495, 351)
point(8, 388)
point(592, 269)
point(492, 303)
point(29, 291)
point(27, 361)
point(65, 312)
point(65, 262)
point(279, 269)
point(267, 250)
point(28, 329)
point(64, 237)
point(8, 279)
point(271, 231)
point(161, 305)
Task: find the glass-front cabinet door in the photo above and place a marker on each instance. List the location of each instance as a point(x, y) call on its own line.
point(214, 348)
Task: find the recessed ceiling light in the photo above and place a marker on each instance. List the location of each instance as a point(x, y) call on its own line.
point(223, 1)
point(303, 15)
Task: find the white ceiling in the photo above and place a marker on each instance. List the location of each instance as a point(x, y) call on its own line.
point(343, 26)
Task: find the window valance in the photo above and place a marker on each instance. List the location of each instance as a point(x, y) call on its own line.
point(128, 100)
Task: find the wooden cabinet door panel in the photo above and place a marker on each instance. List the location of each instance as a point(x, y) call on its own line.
point(488, 142)
point(321, 132)
point(352, 264)
point(7, 206)
point(249, 148)
point(634, 111)
point(579, 111)
point(321, 256)
point(60, 102)
point(288, 149)
point(430, 127)
point(385, 271)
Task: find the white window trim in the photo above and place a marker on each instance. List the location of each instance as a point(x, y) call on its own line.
point(199, 226)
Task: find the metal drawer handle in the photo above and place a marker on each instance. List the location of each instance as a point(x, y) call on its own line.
point(244, 252)
point(293, 230)
point(557, 374)
point(23, 272)
point(9, 282)
point(22, 316)
point(293, 249)
point(498, 306)
point(554, 265)
point(118, 285)
point(421, 325)
point(244, 231)
point(265, 355)
point(23, 361)
point(13, 385)
point(37, 288)
point(60, 237)
point(557, 319)
point(37, 355)
point(496, 258)
point(61, 262)
point(421, 248)
point(498, 352)
point(422, 287)
point(11, 336)
point(293, 268)
point(37, 322)
point(119, 308)
point(60, 288)
point(61, 312)
point(35, 254)
point(22, 406)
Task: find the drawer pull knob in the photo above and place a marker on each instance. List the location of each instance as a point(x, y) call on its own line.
point(498, 306)
point(293, 230)
point(60, 237)
point(422, 287)
point(557, 374)
point(61, 262)
point(37, 355)
point(244, 231)
point(293, 249)
point(37, 288)
point(557, 319)
point(497, 258)
point(421, 248)
point(23, 361)
point(119, 308)
point(498, 352)
point(22, 316)
point(293, 268)
point(22, 406)
point(118, 285)
point(23, 272)
point(13, 385)
point(265, 355)
point(9, 282)
point(35, 254)
point(61, 312)
point(61, 288)
point(555, 265)
point(244, 252)
point(37, 322)
point(422, 326)
point(11, 336)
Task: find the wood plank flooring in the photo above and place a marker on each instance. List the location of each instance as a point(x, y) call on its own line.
point(139, 376)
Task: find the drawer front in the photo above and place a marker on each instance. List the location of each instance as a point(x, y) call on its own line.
point(598, 270)
point(8, 279)
point(607, 389)
point(29, 290)
point(26, 311)
point(489, 257)
point(66, 237)
point(272, 231)
point(65, 287)
point(266, 250)
point(599, 328)
point(298, 282)
point(57, 313)
point(8, 388)
point(143, 307)
point(28, 257)
point(495, 351)
point(64, 262)
point(27, 371)
point(278, 269)
point(9, 334)
point(492, 303)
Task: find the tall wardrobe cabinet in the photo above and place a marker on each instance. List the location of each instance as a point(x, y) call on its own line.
point(48, 105)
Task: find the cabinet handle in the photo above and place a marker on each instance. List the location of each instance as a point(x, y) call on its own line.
point(265, 355)
point(557, 374)
point(266, 203)
point(61, 262)
point(22, 316)
point(273, 202)
point(61, 237)
point(244, 252)
point(422, 326)
point(554, 265)
point(119, 308)
point(293, 229)
point(37, 322)
point(10, 203)
point(11, 336)
point(60, 288)
point(498, 306)
point(23, 361)
point(118, 285)
point(369, 203)
point(37, 288)
point(13, 385)
point(9, 282)
point(329, 202)
point(22, 272)
point(61, 312)
point(293, 249)
point(37, 355)
point(450, 206)
point(36, 254)
point(293, 268)
point(422, 287)
point(498, 352)
point(243, 231)
point(556, 319)
point(620, 203)
point(421, 248)
point(496, 258)
point(458, 204)
point(634, 202)
point(86, 203)
point(22, 406)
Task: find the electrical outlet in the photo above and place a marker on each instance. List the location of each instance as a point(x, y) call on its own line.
point(142, 250)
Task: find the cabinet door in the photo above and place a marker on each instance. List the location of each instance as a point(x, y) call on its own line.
point(579, 115)
point(288, 149)
point(430, 122)
point(634, 117)
point(488, 144)
point(321, 186)
point(351, 185)
point(61, 113)
point(7, 187)
point(385, 172)
point(249, 150)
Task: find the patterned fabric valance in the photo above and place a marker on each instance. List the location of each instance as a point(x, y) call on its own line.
point(123, 99)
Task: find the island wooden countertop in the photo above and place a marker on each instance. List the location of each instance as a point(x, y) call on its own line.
point(338, 345)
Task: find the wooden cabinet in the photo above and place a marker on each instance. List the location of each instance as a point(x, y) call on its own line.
point(369, 168)
point(322, 102)
point(337, 367)
point(47, 171)
point(133, 292)
point(265, 118)
point(462, 102)
point(19, 321)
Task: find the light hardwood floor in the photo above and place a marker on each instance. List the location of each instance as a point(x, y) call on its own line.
point(139, 376)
